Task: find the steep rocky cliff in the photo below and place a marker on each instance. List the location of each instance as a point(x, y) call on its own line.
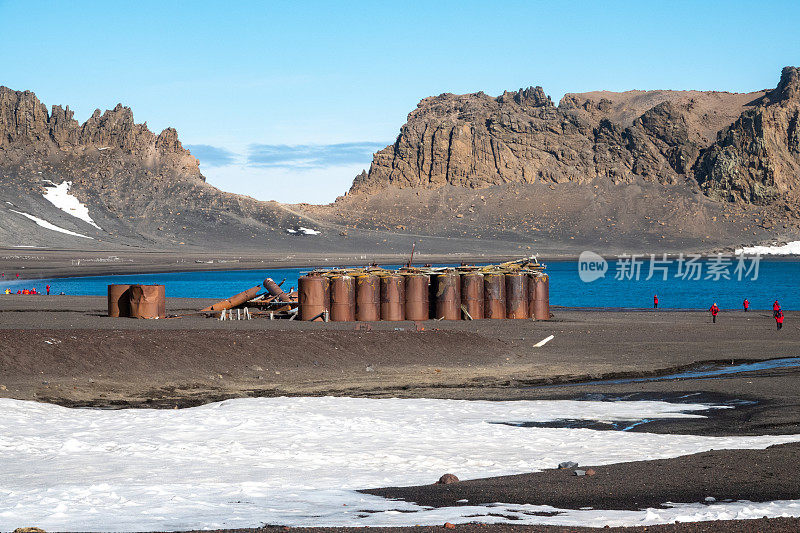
point(757, 158)
point(478, 141)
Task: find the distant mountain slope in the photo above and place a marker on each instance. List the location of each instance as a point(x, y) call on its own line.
point(141, 189)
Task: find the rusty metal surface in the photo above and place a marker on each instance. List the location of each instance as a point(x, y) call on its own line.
point(147, 301)
point(311, 297)
point(494, 295)
point(417, 303)
point(472, 294)
point(276, 291)
point(368, 297)
point(119, 303)
point(448, 296)
point(392, 298)
point(233, 301)
point(517, 295)
point(343, 298)
point(541, 304)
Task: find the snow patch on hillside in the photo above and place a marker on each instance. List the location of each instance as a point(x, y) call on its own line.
point(48, 225)
point(790, 248)
point(60, 197)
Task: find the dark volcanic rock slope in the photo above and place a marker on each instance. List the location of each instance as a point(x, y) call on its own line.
point(142, 189)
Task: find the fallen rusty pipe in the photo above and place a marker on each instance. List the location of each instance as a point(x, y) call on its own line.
point(233, 301)
point(276, 291)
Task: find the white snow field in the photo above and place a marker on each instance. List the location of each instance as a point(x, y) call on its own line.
point(790, 248)
point(48, 225)
point(297, 461)
point(60, 197)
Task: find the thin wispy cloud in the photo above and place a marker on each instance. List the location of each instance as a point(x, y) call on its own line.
point(211, 156)
point(311, 156)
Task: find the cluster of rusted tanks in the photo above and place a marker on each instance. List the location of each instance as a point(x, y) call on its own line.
point(137, 301)
point(514, 290)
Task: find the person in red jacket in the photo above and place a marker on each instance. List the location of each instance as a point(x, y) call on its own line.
point(47, 288)
point(714, 312)
point(779, 318)
point(746, 304)
point(775, 308)
point(655, 301)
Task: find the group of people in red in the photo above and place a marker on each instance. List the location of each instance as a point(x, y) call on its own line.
point(30, 291)
point(777, 312)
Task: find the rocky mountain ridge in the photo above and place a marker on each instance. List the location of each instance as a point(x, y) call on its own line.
point(739, 147)
point(639, 170)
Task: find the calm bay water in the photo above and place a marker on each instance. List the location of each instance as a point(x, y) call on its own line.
point(776, 280)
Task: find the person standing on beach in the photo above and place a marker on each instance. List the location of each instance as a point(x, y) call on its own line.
point(746, 304)
point(47, 288)
point(779, 318)
point(714, 311)
point(775, 308)
point(655, 301)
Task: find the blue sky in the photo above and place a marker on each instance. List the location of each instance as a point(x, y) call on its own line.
point(287, 100)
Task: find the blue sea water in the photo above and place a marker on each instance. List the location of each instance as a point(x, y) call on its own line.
point(776, 279)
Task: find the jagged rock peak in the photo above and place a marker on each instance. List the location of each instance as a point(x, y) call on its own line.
point(24, 120)
point(532, 96)
point(789, 86)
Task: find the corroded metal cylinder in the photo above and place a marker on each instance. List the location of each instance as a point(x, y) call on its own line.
point(147, 301)
point(233, 301)
point(532, 294)
point(517, 295)
point(274, 290)
point(472, 294)
point(119, 303)
point(368, 297)
point(417, 306)
point(311, 297)
point(343, 298)
point(494, 296)
point(448, 296)
point(541, 304)
point(392, 298)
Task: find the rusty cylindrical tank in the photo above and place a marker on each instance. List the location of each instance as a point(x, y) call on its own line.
point(343, 298)
point(393, 297)
point(234, 301)
point(517, 295)
point(274, 290)
point(368, 297)
point(119, 303)
point(417, 307)
point(472, 294)
point(311, 297)
point(532, 294)
point(494, 295)
point(448, 296)
point(147, 301)
point(541, 304)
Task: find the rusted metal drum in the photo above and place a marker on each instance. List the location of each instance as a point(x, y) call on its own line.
point(472, 294)
point(343, 298)
point(147, 301)
point(417, 306)
point(541, 303)
point(532, 294)
point(119, 303)
point(368, 297)
point(517, 295)
point(494, 296)
point(311, 297)
point(448, 295)
point(392, 298)
point(274, 290)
